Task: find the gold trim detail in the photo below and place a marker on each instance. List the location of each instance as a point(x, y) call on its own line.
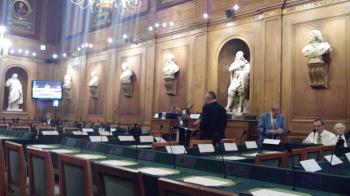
point(313, 5)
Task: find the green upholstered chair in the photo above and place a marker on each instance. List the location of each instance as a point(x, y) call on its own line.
point(278, 159)
point(75, 176)
point(298, 155)
point(41, 174)
point(2, 171)
point(313, 152)
point(16, 169)
point(169, 187)
point(118, 181)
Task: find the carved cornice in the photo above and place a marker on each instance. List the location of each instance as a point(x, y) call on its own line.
point(312, 5)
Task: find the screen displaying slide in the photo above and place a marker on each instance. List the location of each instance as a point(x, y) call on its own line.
point(47, 89)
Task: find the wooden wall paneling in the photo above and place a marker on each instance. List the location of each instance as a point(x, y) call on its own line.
point(70, 106)
point(301, 103)
point(272, 64)
point(95, 108)
point(110, 106)
point(181, 49)
point(150, 82)
point(129, 108)
point(196, 78)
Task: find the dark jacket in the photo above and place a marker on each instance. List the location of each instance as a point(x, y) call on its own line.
point(213, 121)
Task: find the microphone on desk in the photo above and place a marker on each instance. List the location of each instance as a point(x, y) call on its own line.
point(136, 147)
point(289, 149)
point(240, 142)
point(160, 133)
point(339, 143)
point(222, 154)
point(172, 154)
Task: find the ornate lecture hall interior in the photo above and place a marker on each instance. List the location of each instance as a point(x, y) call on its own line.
point(175, 97)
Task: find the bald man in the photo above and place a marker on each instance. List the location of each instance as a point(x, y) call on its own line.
point(271, 124)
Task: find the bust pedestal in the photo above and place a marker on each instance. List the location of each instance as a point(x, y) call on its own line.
point(170, 84)
point(127, 89)
point(93, 92)
point(318, 74)
point(67, 93)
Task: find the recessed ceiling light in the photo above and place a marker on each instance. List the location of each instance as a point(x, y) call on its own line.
point(54, 56)
point(150, 28)
point(34, 54)
point(236, 7)
point(109, 40)
point(64, 55)
point(205, 15)
point(42, 47)
point(164, 24)
point(171, 23)
point(156, 25)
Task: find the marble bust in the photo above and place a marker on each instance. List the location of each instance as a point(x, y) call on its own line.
point(170, 68)
point(67, 81)
point(239, 85)
point(94, 80)
point(126, 75)
point(15, 98)
point(317, 51)
point(316, 47)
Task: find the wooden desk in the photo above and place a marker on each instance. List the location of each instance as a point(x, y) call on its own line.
point(167, 124)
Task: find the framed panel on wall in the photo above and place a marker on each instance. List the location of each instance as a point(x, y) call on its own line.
point(141, 11)
point(100, 18)
point(21, 15)
point(162, 4)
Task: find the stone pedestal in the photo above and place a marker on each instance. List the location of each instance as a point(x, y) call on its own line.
point(67, 93)
point(170, 86)
point(93, 92)
point(127, 89)
point(318, 74)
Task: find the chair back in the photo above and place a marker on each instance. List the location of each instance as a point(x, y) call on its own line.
point(75, 176)
point(16, 168)
point(2, 171)
point(41, 174)
point(70, 129)
point(112, 181)
point(327, 150)
point(278, 159)
point(169, 187)
point(313, 152)
point(298, 155)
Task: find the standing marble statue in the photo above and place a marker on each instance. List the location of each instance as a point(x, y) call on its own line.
point(15, 98)
point(170, 70)
point(239, 85)
point(67, 86)
point(93, 84)
point(317, 51)
point(126, 80)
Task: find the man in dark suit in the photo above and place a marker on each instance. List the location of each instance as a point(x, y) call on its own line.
point(213, 119)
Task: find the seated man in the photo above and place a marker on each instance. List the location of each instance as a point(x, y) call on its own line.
point(213, 119)
point(320, 135)
point(271, 124)
point(339, 130)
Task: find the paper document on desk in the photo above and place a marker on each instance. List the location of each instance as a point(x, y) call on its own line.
point(105, 133)
point(210, 181)
point(276, 192)
point(310, 165)
point(98, 138)
point(194, 116)
point(126, 138)
point(160, 139)
point(79, 133)
point(251, 144)
point(206, 148)
point(230, 147)
point(88, 130)
point(176, 149)
point(146, 139)
point(271, 141)
point(335, 159)
point(49, 132)
point(348, 156)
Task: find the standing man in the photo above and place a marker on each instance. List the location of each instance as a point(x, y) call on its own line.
point(271, 124)
point(213, 119)
point(320, 135)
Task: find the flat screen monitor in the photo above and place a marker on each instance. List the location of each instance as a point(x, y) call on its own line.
point(47, 89)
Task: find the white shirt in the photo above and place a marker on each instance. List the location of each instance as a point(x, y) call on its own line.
point(327, 138)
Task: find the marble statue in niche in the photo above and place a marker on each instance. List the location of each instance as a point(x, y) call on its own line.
point(67, 86)
point(170, 70)
point(238, 90)
point(15, 98)
point(93, 85)
point(126, 80)
point(317, 51)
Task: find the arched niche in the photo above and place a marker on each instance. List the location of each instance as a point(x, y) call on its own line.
point(23, 77)
point(227, 55)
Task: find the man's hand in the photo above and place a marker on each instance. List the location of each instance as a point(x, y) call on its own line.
point(274, 132)
point(196, 123)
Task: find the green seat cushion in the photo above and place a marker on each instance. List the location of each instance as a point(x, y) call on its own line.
point(74, 180)
point(118, 186)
